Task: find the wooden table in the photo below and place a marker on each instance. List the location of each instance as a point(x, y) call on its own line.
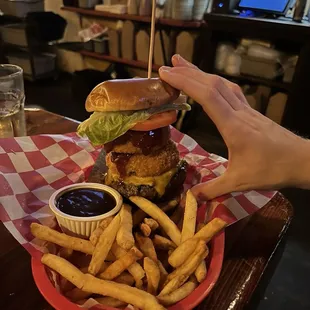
point(251, 246)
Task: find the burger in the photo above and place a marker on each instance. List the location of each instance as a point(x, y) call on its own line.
point(132, 120)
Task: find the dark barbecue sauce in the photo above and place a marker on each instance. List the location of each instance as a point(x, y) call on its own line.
point(145, 140)
point(121, 161)
point(85, 202)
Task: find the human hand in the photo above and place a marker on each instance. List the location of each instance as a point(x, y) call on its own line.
point(262, 154)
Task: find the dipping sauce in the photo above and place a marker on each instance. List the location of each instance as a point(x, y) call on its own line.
point(85, 202)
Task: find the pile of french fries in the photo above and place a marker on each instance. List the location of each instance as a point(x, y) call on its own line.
point(147, 259)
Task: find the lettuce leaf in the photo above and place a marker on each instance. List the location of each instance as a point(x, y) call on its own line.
point(103, 127)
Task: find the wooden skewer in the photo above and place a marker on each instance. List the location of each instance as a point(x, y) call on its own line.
point(152, 40)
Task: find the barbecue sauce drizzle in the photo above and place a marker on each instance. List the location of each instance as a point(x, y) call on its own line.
point(145, 140)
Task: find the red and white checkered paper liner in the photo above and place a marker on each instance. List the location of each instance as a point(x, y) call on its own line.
point(32, 168)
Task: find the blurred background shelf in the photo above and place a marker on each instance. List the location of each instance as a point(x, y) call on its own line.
point(253, 79)
point(137, 18)
point(48, 75)
point(132, 63)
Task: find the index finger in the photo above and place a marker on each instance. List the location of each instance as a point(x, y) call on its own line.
point(208, 97)
point(178, 61)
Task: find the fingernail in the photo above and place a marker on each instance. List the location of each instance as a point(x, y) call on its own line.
point(164, 69)
point(179, 58)
point(176, 57)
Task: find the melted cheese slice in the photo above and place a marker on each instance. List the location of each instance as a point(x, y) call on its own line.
point(159, 182)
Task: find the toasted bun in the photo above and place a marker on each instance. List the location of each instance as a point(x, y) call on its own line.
point(130, 95)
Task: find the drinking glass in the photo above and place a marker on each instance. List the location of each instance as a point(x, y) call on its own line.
point(12, 100)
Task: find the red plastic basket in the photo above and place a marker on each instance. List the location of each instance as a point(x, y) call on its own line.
point(214, 266)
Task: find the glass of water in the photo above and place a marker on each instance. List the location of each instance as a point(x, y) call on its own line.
point(12, 100)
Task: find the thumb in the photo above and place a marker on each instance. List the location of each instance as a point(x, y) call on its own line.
point(214, 188)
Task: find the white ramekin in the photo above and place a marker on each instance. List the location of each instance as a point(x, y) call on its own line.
point(82, 226)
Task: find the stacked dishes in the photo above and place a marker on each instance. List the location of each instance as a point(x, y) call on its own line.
point(182, 9)
point(199, 9)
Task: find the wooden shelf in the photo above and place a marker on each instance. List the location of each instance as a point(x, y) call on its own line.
point(137, 18)
point(128, 62)
point(257, 80)
point(282, 28)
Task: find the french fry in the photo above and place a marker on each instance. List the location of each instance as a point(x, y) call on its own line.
point(179, 276)
point(103, 246)
point(125, 293)
point(138, 282)
point(106, 222)
point(181, 253)
point(103, 267)
point(171, 205)
point(162, 269)
point(124, 237)
point(190, 215)
point(151, 223)
point(138, 217)
point(68, 271)
point(125, 278)
point(191, 264)
point(207, 232)
point(201, 271)
point(163, 243)
point(199, 226)
point(173, 285)
point(179, 294)
point(152, 210)
point(163, 274)
point(145, 229)
point(121, 264)
point(152, 275)
point(177, 279)
point(89, 283)
point(148, 226)
point(177, 257)
point(146, 246)
point(94, 237)
point(135, 269)
point(47, 234)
